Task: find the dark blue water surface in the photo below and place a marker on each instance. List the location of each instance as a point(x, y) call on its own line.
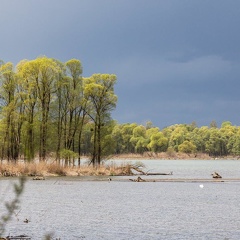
point(80, 208)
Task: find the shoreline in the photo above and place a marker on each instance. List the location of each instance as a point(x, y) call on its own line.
point(52, 169)
point(127, 178)
point(170, 156)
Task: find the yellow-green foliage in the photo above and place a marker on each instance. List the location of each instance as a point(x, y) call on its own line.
point(187, 147)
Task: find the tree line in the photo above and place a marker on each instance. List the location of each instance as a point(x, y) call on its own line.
point(186, 138)
point(49, 109)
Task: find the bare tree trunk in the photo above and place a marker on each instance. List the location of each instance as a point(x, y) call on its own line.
point(94, 154)
point(99, 152)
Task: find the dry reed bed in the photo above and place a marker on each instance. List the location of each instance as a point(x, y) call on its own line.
point(54, 169)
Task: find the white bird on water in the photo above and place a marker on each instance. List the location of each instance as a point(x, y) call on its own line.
point(201, 186)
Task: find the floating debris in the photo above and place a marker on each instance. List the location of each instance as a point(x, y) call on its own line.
point(39, 178)
point(20, 237)
point(139, 179)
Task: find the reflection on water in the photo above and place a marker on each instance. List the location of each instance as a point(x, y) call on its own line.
point(73, 208)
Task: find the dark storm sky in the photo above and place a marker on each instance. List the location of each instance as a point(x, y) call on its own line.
point(177, 61)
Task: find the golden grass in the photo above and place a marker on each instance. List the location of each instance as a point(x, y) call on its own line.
point(54, 169)
point(51, 168)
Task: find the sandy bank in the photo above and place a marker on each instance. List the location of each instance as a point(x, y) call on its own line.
point(169, 156)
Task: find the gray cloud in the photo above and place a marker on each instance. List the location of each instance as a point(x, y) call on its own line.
point(176, 61)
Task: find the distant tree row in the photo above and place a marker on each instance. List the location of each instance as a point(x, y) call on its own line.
point(47, 107)
point(186, 138)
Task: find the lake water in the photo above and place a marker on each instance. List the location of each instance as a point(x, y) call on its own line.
point(82, 208)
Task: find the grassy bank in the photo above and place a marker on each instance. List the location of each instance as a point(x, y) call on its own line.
point(53, 169)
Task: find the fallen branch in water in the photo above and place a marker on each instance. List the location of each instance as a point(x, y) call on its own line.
point(139, 170)
point(149, 173)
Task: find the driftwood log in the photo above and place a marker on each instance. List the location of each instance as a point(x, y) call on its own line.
point(140, 171)
point(150, 173)
point(20, 237)
point(216, 175)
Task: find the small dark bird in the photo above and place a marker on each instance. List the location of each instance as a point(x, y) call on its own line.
point(26, 220)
